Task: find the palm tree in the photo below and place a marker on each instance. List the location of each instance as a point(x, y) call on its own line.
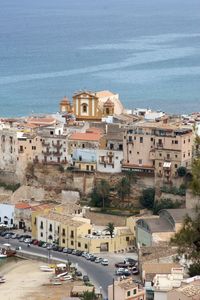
point(103, 189)
point(110, 228)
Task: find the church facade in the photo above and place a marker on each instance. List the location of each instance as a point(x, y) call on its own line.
point(93, 106)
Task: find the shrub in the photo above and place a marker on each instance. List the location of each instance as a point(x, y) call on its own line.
point(165, 204)
point(147, 198)
point(181, 171)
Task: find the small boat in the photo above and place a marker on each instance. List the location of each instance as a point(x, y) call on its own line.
point(2, 279)
point(61, 275)
point(56, 283)
point(3, 255)
point(46, 269)
point(65, 278)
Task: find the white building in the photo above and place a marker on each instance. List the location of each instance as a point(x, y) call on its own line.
point(109, 161)
point(7, 214)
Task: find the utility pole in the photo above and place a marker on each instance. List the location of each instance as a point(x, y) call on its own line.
point(113, 288)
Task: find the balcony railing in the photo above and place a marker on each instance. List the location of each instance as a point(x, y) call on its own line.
point(47, 153)
point(57, 153)
point(57, 145)
point(45, 144)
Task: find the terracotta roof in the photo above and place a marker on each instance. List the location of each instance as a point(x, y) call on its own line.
point(41, 207)
point(159, 268)
point(85, 136)
point(108, 103)
point(41, 120)
point(22, 205)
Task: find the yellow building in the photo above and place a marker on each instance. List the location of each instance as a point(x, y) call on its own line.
point(76, 232)
point(92, 106)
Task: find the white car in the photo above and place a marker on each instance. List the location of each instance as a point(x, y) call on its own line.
point(104, 262)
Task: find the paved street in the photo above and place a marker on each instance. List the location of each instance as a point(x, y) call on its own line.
point(101, 276)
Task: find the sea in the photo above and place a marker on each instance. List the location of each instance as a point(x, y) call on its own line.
point(148, 51)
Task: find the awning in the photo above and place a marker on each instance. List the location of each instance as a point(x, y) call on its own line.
point(167, 164)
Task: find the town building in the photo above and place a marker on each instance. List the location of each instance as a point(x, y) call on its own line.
point(92, 106)
point(157, 148)
point(7, 214)
point(153, 231)
point(125, 290)
point(189, 290)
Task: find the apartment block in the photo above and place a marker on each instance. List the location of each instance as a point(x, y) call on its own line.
point(157, 148)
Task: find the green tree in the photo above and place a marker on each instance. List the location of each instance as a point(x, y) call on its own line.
point(195, 182)
point(110, 228)
point(181, 171)
point(165, 204)
point(123, 188)
point(188, 241)
point(88, 295)
point(147, 198)
point(100, 194)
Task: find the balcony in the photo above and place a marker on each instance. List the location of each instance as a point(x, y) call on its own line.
point(58, 146)
point(110, 154)
point(159, 145)
point(47, 153)
point(45, 144)
point(102, 162)
point(57, 153)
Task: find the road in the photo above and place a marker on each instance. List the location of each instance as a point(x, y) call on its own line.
point(100, 276)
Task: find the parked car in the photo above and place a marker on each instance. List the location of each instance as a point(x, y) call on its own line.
point(86, 278)
point(78, 273)
point(65, 250)
point(60, 249)
point(55, 248)
point(126, 273)
point(44, 245)
point(70, 250)
point(27, 240)
point(22, 239)
point(98, 260)
point(84, 254)
point(130, 261)
point(40, 243)
point(135, 271)
point(79, 252)
point(93, 258)
point(121, 265)
point(119, 271)
point(49, 246)
point(104, 262)
point(35, 242)
point(7, 236)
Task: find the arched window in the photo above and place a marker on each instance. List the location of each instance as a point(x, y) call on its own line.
point(84, 108)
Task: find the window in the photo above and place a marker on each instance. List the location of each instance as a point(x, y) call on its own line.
point(140, 161)
point(188, 153)
point(135, 138)
point(79, 244)
point(151, 139)
point(176, 166)
point(141, 139)
point(168, 156)
point(176, 142)
point(127, 239)
point(84, 107)
point(160, 164)
point(128, 293)
point(134, 291)
point(30, 141)
point(92, 168)
point(89, 231)
point(138, 153)
point(85, 246)
point(50, 227)
point(63, 241)
point(51, 132)
point(87, 167)
point(21, 149)
point(41, 225)
point(41, 234)
point(72, 234)
point(83, 145)
point(63, 232)
point(176, 155)
point(184, 155)
point(130, 152)
point(72, 243)
point(189, 141)
point(58, 229)
point(160, 154)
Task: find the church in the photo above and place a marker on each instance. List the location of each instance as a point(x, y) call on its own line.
point(92, 106)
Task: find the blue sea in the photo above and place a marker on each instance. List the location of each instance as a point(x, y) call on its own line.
point(148, 51)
